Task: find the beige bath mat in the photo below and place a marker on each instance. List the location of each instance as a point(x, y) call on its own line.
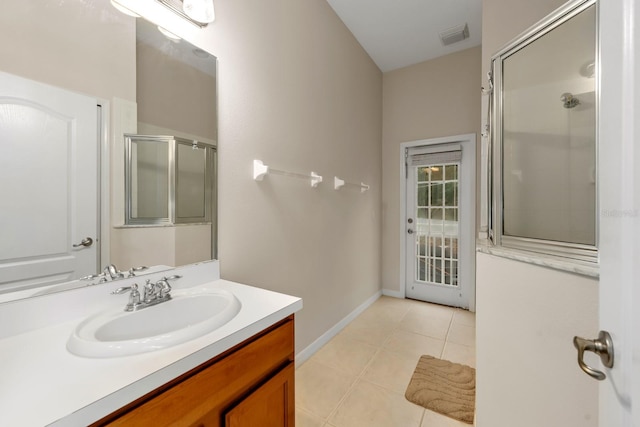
point(444, 387)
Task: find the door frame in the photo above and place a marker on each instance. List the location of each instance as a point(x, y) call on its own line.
point(104, 183)
point(468, 163)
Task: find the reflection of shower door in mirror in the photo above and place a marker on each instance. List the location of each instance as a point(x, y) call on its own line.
point(48, 209)
point(433, 227)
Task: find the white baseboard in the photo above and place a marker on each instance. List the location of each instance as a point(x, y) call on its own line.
point(306, 353)
point(390, 293)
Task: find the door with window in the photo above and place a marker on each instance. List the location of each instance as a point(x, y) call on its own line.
point(434, 255)
point(49, 192)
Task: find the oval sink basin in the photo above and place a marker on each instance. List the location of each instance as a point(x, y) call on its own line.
point(188, 315)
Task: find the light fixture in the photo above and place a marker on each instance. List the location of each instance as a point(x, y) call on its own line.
point(123, 9)
point(179, 8)
point(199, 10)
point(168, 34)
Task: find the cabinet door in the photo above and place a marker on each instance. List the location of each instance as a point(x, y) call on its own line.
point(271, 405)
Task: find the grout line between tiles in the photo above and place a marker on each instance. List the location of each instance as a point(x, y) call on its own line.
point(352, 386)
point(446, 338)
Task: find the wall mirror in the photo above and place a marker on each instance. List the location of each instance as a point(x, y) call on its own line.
point(544, 111)
point(168, 86)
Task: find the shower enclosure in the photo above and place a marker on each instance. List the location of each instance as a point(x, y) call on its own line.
point(169, 180)
point(544, 193)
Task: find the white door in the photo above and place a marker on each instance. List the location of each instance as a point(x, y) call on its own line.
point(619, 179)
point(438, 223)
point(49, 184)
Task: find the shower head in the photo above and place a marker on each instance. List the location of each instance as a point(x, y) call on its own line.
point(569, 100)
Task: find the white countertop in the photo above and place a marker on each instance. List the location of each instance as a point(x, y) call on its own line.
point(43, 384)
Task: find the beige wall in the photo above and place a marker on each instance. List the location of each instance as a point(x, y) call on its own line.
point(527, 315)
point(436, 98)
point(172, 246)
point(187, 101)
point(69, 45)
point(297, 91)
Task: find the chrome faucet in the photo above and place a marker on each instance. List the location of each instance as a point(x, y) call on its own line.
point(134, 270)
point(113, 272)
point(134, 296)
point(153, 293)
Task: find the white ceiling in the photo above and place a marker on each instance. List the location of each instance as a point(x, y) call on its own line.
point(398, 33)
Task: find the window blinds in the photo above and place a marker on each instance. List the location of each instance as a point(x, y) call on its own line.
point(435, 158)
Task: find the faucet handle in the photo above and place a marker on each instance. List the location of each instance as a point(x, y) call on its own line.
point(121, 290)
point(163, 287)
point(134, 297)
point(150, 291)
point(134, 270)
point(133, 288)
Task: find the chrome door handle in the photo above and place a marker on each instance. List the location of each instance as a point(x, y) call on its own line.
point(410, 231)
point(602, 346)
point(86, 242)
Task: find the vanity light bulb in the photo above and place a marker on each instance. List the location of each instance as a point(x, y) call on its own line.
point(199, 10)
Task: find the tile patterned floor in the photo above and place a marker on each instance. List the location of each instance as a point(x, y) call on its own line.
point(360, 376)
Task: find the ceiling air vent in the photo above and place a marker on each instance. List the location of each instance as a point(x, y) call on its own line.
point(454, 35)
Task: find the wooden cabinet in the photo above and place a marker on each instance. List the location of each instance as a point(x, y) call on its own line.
point(271, 405)
point(250, 385)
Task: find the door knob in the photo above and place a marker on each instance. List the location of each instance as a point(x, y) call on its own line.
point(410, 231)
point(86, 242)
point(602, 346)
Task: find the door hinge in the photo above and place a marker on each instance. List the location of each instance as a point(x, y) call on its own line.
point(406, 163)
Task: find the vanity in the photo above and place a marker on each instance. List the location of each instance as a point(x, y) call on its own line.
point(235, 374)
point(251, 384)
